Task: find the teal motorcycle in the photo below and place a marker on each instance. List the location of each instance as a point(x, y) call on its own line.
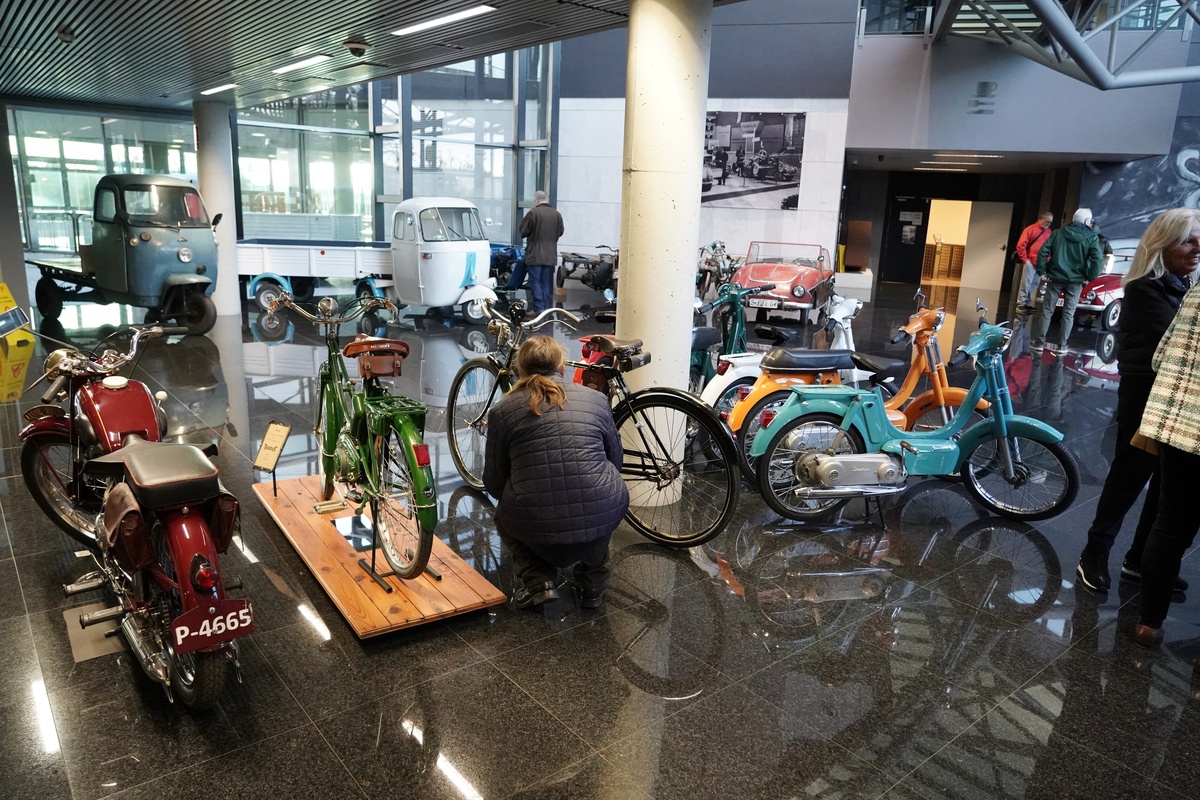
point(829, 444)
point(729, 333)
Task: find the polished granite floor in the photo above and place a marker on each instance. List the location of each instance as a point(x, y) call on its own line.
point(949, 654)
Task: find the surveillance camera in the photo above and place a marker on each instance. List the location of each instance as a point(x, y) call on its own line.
point(357, 49)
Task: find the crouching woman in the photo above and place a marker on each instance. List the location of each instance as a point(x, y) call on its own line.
point(553, 462)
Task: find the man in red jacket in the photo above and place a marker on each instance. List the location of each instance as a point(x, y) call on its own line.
point(1030, 241)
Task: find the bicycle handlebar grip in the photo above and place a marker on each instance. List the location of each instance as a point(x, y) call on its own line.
point(899, 337)
point(704, 309)
point(57, 386)
point(174, 331)
point(606, 317)
point(766, 287)
point(957, 359)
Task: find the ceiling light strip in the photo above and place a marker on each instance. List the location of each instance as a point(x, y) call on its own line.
point(308, 62)
point(218, 89)
point(437, 22)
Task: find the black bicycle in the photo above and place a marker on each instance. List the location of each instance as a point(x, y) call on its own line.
point(680, 464)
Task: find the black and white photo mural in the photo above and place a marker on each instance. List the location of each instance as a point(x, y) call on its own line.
point(1124, 198)
point(752, 159)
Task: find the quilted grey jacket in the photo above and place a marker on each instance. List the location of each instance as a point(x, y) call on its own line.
point(557, 475)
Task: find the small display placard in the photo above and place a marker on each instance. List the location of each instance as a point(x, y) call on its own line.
point(272, 445)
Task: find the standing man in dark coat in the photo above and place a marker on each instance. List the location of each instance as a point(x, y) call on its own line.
point(541, 228)
point(721, 162)
point(1069, 258)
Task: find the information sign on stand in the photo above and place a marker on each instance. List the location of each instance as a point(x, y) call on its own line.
point(271, 448)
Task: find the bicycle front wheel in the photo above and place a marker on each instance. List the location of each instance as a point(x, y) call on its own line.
point(679, 467)
point(1044, 482)
point(401, 526)
point(474, 391)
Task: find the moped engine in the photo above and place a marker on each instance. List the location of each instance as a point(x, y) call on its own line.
point(345, 460)
point(875, 469)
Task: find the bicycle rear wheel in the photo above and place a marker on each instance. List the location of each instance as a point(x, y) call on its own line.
point(472, 394)
point(405, 538)
point(679, 466)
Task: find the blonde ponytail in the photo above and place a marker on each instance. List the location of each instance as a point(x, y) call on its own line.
point(538, 359)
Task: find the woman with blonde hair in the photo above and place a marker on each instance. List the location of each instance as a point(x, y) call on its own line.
point(553, 461)
point(1165, 258)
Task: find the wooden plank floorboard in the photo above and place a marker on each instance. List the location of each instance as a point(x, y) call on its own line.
point(369, 609)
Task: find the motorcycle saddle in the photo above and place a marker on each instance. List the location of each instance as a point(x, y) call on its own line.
point(704, 338)
point(881, 367)
point(782, 359)
point(161, 475)
point(603, 343)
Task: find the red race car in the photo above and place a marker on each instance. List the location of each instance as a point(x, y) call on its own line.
point(802, 275)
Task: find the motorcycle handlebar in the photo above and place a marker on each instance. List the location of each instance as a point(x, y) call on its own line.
point(766, 287)
point(606, 317)
point(57, 386)
point(957, 359)
point(704, 309)
point(899, 337)
point(364, 305)
point(174, 331)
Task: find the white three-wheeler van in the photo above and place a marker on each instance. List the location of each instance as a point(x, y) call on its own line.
point(440, 255)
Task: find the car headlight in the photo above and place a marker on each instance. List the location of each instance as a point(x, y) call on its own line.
point(185, 254)
point(798, 291)
point(1091, 295)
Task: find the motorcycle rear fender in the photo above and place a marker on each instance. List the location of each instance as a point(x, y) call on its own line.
point(767, 384)
point(834, 400)
point(927, 401)
point(58, 423)
point(424, 488)
point(478, 291)
point(1026, 427)
point(187, 536)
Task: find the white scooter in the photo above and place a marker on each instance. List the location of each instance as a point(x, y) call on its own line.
point(742, 369)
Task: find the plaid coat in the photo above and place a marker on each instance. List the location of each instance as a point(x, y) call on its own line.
point(1173, 411)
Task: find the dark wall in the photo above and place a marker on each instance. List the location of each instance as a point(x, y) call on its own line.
point(760, 48)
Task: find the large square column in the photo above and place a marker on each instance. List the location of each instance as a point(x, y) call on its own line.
point(214, 159)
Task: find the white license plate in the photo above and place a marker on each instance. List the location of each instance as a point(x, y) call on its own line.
point(763, 302)
point(758, 347)
point(213, 622)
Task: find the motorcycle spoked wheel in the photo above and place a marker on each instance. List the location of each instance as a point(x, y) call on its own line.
point(46, 465)
point(196, 677)
point(1045, 484)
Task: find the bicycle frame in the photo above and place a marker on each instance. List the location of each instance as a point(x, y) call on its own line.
point(936, 452)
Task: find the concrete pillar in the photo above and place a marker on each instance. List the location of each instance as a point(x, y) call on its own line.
point(214, 156)
point(665, 99)
point(12, 256)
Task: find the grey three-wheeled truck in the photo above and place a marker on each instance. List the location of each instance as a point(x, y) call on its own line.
point(152, 247)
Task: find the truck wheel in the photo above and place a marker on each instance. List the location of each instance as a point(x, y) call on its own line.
point(560, 277)
point(363, 291)
point(199, 313)
point(153, 316)
point(472, 311)
point(303, 289)
point(266, 293)
point(49, 298)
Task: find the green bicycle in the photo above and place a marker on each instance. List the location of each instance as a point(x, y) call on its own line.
point(371, 441)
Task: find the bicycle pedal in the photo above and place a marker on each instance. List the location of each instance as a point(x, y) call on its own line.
point(329, 506)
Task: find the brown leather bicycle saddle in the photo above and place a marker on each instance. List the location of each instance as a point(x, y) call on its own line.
point(375, 345)
point(604, 343)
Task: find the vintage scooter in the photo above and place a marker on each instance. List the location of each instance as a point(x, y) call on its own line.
point(153, 516)
point(728, 337)
point(740, 370)
point(832, 443)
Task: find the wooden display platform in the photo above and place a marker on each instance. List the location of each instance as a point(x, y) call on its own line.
point(334, 561)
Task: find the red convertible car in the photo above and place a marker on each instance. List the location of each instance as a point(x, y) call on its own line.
point(802, 274)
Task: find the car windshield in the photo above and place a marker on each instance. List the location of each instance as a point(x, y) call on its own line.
point(450, 224)
point(174, 206)
point(804, 255)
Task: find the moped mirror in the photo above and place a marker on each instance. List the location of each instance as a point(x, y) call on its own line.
point(920, 298)
point(217, 219)
point(12, 319)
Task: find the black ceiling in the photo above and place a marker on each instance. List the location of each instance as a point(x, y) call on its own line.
point(159, 54)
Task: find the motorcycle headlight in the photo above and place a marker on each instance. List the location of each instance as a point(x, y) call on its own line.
point(185, 254)
point(54, 358)
point(798, 291)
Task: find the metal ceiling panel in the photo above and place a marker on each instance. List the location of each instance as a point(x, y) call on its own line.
point(160, 54)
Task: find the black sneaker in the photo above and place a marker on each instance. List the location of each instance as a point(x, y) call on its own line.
point(1129, 572)
point(534, 596)
point(1093, 571)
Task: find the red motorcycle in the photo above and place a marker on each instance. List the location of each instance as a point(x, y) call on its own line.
point(154, 517)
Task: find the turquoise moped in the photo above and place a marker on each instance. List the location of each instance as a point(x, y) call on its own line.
point(829, 444)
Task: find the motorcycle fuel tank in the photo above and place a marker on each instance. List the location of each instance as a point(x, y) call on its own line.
point(115, 408)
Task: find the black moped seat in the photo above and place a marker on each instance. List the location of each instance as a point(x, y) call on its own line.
point(161, 474)
point(783, 359)
point(881, 367)
point(704, 338)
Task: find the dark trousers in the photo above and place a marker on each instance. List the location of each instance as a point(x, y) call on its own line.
point(1173, 531)
point(541, 286)
point(1131, 468)
point(539, 563)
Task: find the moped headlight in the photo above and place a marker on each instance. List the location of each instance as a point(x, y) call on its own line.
point(798, 291)
point(185, 254)
point(54, 358)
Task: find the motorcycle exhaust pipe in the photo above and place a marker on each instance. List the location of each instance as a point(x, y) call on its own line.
point(822, 493)
point(153, 664)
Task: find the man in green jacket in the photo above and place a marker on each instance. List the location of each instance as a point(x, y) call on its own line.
point(1069, 259)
